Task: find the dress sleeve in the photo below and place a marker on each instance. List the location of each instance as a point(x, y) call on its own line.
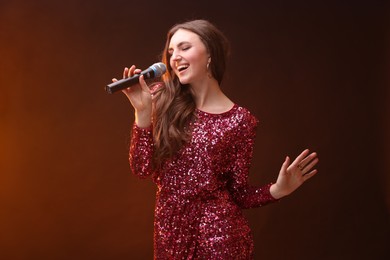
point(141, 151)
point(245, 195)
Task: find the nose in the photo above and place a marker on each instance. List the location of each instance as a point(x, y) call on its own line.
point(175, 56)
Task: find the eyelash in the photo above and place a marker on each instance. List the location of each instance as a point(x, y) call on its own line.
point(183, 49)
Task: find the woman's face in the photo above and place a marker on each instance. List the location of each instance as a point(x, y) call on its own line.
point(188, 57)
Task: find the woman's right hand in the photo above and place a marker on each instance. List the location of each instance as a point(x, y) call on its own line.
point(139, 96)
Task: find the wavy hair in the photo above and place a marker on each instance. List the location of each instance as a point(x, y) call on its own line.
point(174, 102)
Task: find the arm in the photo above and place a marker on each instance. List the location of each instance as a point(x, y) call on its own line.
point(247, 196)
point(141, 148)
point(141, 151)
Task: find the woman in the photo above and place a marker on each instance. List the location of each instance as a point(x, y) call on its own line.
point(197, 145)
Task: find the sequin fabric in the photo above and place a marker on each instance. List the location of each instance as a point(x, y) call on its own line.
point(202, 190)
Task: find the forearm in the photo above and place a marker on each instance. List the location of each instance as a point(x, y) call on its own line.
point(141, 151)
point(252, 197)
point(143, 118)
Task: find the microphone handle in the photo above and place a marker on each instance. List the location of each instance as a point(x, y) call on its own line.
point(128, 82)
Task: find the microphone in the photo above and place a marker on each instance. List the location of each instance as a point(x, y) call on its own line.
point(156, 70)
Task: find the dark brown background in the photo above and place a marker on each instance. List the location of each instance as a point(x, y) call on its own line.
point(316, 75)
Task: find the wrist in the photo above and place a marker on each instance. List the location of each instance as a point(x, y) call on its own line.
point(143, 119)
point(276, 192)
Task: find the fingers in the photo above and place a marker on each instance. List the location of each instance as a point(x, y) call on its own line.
point(129, 72)
point(126, 72)
point(305, 159)
point(143, 84)
point(310, 165)
point(297, 162)
point(307, 164)
point(304, 164)
point(308, 175)
point(285, 164)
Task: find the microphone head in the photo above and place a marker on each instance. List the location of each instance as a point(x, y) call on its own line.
point(159, 69)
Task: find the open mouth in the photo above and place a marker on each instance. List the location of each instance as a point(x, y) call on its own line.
point(182, 67)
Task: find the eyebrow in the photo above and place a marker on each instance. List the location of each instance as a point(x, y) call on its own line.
point(179, 45)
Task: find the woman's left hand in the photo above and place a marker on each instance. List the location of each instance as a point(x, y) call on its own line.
point(293, 175)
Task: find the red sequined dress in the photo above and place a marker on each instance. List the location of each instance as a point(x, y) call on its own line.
point(202, 190)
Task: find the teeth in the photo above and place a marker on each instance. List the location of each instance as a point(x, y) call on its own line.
point(182, 67)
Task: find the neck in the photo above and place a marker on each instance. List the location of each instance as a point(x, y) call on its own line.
point(209, 97)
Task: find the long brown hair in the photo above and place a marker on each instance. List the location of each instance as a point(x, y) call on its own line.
point(174, 103)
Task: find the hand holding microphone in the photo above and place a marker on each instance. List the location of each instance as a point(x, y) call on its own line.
point(156, 70)
point(133, 85)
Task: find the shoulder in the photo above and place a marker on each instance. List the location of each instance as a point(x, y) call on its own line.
point(245, 125)
point(245, 117)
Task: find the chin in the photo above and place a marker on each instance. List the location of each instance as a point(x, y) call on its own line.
point(183, 81)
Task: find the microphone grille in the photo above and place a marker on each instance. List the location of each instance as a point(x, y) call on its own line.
point(159, 69)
